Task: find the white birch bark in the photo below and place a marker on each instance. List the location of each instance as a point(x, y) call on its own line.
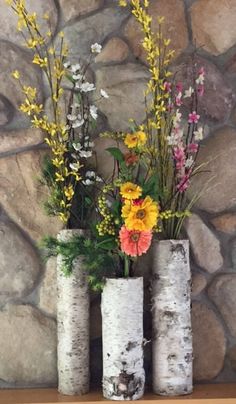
point(172, 334)
point(122, 332)
point(72, 325)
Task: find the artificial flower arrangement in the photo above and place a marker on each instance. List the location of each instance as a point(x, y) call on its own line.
point(67, 121)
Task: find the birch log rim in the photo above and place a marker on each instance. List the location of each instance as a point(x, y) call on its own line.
point(171, 314)
point(122, 333)
point(72, 325)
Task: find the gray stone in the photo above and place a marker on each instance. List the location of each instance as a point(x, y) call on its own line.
point(209, 343)
point(125, 86)
point(231, 354)
point(75, 8)
point(13, 140)
point(205, 246)
point(209, 17)
point(22, 195)
point(233, 253)
point(16, 59)
point(105, 161)
point(6, 112)
point(219, 152)
point(225, 223)
point(8, 19)
point(27, 347)
point(48, 288)
point(199, 283)
point(222, 292)
point(82, 34)
point(174, 27)
point(212, 107)
point(19, 263)
point(115, 50)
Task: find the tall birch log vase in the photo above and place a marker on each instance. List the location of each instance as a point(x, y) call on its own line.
point(171, 318)
point(122, 331)
point(72, 325)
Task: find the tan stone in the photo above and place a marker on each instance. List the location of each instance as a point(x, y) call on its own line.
point(125, 85)
point(199, 283)
point(22, 195)
point(27, 347)
point(209, 343)
point(16, 59)
point(48, 288)
point(213, 24)
point(205, 246)
point(19, 263)
point(74, 8)
point(174, 27)
point(232, 357)
point(13, 140)
point(222, 292)
point(225, 223)
point(220, 152)
point(8, 19)
point(115, 50)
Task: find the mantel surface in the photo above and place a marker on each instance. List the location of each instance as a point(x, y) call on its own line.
point(203, 394)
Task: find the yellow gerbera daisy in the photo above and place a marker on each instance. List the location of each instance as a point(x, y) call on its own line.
point(140, 215)
point(136, 139)
point(130, 191)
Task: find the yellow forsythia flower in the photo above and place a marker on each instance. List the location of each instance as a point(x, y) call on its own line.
point(16, 74)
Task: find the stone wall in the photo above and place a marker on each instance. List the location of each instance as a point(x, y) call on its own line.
point(27, 288)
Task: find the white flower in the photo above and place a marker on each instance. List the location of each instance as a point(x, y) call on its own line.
point(90, 174)
point(71, 117)
point(104, 93)
point(85, 154)
point(189, 162)
point(93, 111)
point(177, 118)
point(200, 79)
point(87, 182)
point(75, 68)
point(189, 92)
point(198, 134)
point(75, 166)
point(77, 146)
point(171, 140)
point(86, 87)
point(78, 123)
point(77, 76)
point(66, 65)
point(96, 48)
point(99, 179)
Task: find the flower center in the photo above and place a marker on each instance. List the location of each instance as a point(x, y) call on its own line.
point(135, 237)
point(141, 214)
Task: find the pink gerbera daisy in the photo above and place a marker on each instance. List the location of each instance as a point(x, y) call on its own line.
point(134, 243)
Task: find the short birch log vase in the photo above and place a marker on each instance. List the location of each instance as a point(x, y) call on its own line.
point(171, 317)
point(73, 325)
point(122, 331)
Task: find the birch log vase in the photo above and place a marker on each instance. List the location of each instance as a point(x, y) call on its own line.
point(122, 332)
point(171, 310)
point(73, 325)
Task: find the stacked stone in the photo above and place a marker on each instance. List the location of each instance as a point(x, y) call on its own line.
point(27, 290)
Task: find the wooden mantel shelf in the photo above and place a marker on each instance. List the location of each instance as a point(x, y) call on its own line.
point(203, 394)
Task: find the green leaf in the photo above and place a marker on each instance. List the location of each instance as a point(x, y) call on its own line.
point(70, 78)
point(116, 153)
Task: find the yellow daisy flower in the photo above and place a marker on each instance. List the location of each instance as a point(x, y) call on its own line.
point(130, 191)
point(136, 139)
point(140, 215)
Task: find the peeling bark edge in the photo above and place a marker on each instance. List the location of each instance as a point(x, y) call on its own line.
point(122, 331)
point(171, 314)
point(72, 325)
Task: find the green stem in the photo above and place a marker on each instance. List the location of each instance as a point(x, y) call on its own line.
point(126, 262)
